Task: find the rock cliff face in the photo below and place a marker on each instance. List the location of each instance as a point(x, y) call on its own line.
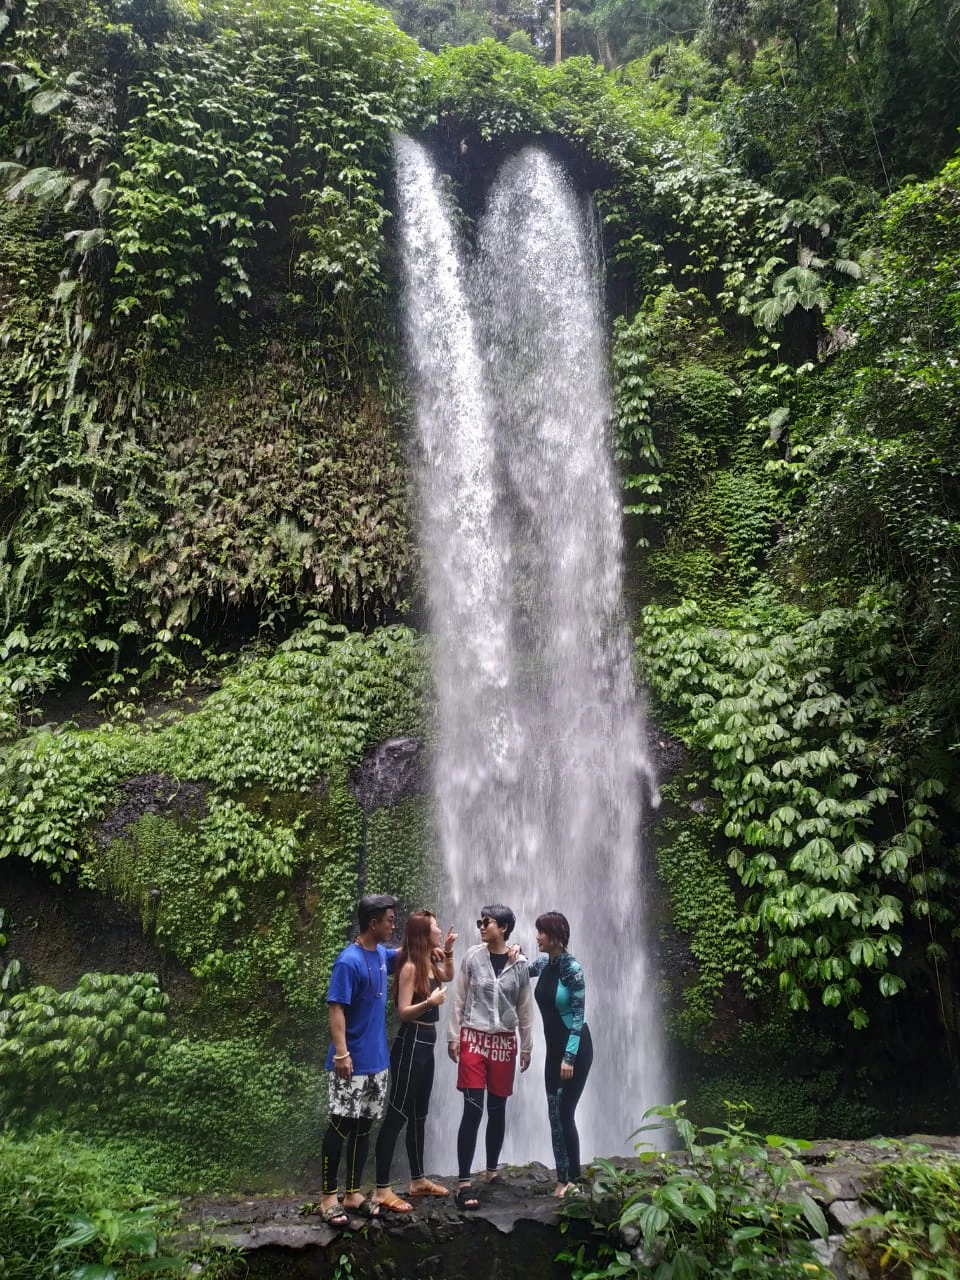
point(62, 931)
point(518, 1231)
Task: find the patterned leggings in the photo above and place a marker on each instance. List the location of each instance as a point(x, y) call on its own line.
point(562, 1099)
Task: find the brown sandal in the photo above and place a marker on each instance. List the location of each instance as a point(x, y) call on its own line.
point(428, 1189)
point(394, 1204)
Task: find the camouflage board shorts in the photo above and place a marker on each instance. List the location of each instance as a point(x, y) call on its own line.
point(358, 1096)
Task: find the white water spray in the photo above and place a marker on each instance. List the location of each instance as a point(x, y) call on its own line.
point(541, 765)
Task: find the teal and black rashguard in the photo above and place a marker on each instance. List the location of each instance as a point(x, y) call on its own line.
point(561, 997)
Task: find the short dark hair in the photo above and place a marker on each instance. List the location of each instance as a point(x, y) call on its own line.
point(503, 916)
point(372, 907)
point(554, 925)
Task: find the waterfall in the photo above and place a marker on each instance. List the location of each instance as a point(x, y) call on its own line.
point(540, 764)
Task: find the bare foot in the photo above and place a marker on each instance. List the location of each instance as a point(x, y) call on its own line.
point(563, 1188)
point(329, 1202)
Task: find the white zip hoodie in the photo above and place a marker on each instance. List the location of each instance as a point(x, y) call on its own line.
point(486, 1002)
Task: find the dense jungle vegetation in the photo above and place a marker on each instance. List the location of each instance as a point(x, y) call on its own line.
point(208, 559)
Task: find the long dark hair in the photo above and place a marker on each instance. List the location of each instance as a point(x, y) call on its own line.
point(418, 949)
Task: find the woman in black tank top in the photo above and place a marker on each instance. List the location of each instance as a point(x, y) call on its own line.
point(423, 965)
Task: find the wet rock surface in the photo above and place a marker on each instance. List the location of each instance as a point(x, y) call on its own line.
point(152, 793)
point(515, 1233)
point(62, 931)
point(389, 773)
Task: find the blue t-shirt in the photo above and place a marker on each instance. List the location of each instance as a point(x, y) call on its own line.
point(359, 983)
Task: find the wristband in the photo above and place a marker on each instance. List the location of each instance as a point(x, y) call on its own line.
point(339, 1057)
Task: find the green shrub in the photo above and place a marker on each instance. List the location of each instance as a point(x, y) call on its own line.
point(789, 1082)
point(720, 1209)
point(916, 1230)
point(48, 1184)
point(833, 828)
point(705, 911)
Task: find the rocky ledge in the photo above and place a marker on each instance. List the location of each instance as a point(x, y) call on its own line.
point(515, 1234)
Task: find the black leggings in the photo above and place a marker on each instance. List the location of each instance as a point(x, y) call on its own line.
point(411, 1082)
point(470, 1127)
point(355, 1133)
point(562, 1099)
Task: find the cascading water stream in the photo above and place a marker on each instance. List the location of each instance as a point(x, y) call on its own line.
point(540, 766)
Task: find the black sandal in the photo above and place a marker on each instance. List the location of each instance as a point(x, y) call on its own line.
point(467, 1198)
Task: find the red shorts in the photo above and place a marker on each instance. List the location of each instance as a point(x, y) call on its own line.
point(487, 1061)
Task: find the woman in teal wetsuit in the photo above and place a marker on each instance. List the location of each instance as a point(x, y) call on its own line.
point(560, 994)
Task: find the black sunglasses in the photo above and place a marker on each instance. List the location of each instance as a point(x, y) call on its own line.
point(485, 920)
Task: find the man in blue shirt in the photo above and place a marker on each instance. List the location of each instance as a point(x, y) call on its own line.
point(358, 1059)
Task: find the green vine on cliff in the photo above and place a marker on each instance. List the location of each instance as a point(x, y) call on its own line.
point(97, 1041)
point(833, 830)
point(705, 911)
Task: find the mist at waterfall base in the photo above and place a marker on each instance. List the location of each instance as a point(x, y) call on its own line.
point(540, 768)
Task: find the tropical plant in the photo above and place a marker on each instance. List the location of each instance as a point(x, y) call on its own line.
point(833, 830)
point(727, 1204)
point(916, 1228)
point(98, 1041)
point(126, 1242)
point(64, 1212)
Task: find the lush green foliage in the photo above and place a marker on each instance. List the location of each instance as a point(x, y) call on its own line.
point(225, 179)
point(917, 1227)
point(794, 1075)
point(62, 1207)
point(825, 90)
point(222, 179)
point(723, 1209)
point(92, 1044)
point(233, 833)
point(832, 828)
point(126, 1242)
point(219, 1113)
point(282, 722)
point(806, 94)
point(874, 447)
point(705, 912)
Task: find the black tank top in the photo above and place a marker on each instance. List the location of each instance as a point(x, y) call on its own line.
point(432, 1012)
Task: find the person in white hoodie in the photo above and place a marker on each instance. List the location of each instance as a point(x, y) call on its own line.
point(493, 1001)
